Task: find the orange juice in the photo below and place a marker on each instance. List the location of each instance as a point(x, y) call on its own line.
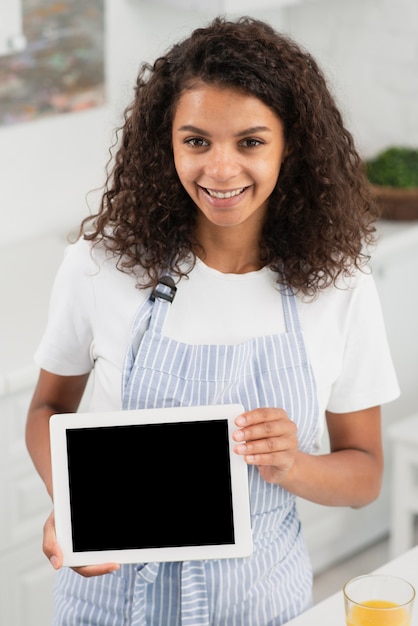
point(370, 613)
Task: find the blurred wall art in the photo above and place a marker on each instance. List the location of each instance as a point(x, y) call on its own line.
point(61, 67)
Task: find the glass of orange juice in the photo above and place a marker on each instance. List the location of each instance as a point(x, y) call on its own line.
point(378, 600)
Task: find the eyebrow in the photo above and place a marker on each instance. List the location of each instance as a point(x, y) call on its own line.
point(242, 133)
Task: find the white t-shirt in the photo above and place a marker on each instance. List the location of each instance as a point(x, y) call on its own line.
point(93, 305)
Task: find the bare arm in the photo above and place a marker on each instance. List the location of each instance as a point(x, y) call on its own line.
point(350, 475)
point(53, 394)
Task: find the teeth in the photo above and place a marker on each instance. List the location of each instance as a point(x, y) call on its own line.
point(221, 195)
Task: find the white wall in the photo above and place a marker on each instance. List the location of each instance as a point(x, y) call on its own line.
point(368, 48)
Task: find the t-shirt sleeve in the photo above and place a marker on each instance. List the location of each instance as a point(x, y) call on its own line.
point(65, 347)
point(367, 377)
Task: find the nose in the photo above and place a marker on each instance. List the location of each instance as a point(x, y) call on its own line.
point(222, 163)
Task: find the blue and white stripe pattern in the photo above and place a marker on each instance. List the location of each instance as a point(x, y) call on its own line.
point(274, 584)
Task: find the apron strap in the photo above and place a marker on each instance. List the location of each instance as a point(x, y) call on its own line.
point(162, 296)
point(153, 310)
point(159, 313)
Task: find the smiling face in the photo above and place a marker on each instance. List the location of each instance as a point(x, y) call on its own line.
point(228, 149)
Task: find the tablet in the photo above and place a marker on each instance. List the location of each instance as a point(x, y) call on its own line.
point(149, 485)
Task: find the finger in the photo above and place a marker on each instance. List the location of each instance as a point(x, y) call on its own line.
point(270, 445)
point(281, 461)
point(257, 416)
point(279, 427)
point(50, 545)
point(89, 571)
point(267, 451)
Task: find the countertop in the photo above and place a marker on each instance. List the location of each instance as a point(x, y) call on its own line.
point(330, 612)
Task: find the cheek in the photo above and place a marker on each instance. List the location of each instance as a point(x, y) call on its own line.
point(185, 176)
point(182, 164)
point(268, 172)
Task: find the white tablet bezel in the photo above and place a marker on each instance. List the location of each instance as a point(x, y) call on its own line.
point(60, 423)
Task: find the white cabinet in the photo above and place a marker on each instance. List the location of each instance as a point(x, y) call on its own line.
point(26, 578)
point(334, 533)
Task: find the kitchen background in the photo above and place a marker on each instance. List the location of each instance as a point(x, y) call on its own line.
point(48, 167)
point(368, 49)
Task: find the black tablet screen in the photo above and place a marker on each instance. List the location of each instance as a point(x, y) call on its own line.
point(150, 485)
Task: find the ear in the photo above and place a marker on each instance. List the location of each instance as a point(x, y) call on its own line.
point(288, 150)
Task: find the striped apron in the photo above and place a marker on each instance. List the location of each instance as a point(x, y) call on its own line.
point(274, 584)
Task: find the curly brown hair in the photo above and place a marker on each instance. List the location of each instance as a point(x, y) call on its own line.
point(320, 216)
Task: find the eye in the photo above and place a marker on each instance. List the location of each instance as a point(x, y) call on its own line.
point(250, 142)
point(196, 142)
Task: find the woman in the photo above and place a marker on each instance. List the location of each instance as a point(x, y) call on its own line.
point(236, 177)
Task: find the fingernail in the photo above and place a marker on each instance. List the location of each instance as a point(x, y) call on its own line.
point(240, 421)
point(116, 568)
point(238, 435)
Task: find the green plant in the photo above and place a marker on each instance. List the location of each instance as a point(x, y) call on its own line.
point(394, 167)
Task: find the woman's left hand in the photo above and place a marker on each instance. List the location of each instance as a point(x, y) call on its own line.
point(267, 438)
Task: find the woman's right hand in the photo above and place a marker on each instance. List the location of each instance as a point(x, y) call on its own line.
point(54, 553)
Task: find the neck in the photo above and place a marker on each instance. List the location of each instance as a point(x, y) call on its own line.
point(229, 254)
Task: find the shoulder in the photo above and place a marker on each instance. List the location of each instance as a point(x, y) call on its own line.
point(88, 254)
point(359, 286)
point(351, 307)
point(80, 258)
point(89, 280)
point(92, 260)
